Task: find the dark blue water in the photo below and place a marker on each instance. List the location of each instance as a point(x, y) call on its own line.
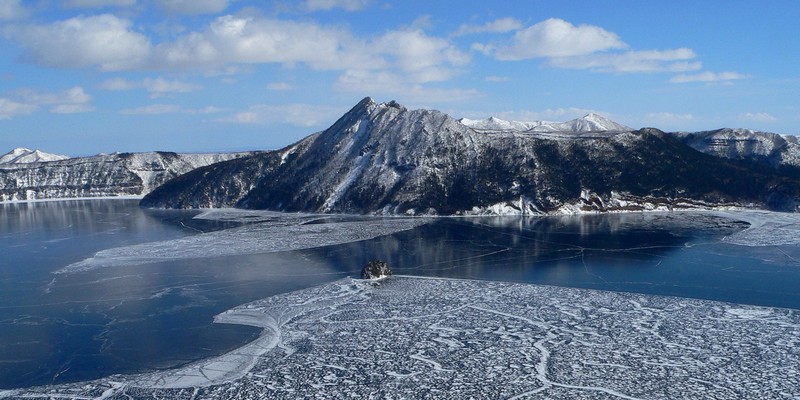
point(63, 328)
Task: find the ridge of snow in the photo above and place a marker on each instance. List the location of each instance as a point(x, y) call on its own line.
point(22, 155)
point(591, 122)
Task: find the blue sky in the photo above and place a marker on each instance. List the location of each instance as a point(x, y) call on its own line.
point(81, 77)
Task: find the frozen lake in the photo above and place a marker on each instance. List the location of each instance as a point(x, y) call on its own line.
point(94, 288)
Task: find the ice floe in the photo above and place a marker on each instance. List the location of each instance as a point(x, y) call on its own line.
point(432, 338)
point(766, 228)
point(273, 232)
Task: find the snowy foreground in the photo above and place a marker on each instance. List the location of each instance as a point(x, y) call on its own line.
point(407, 337)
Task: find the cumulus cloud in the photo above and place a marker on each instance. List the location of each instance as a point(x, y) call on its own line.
point(10, 109)
point(564, 45)
point(12, 9)
point(109, 43)
point(324, 5)
point(709, 77)
point(102, 41)
point(193, 7)
point(98, 3)
point(555, 38)
point(246, 40)
point(71, 101)
point(156, 87)
point(426, 57)
point(501, 25)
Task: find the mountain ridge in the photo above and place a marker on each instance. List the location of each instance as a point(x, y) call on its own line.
point(117, 174)
point(22, 155)
point(591, 122)
point(386, 159)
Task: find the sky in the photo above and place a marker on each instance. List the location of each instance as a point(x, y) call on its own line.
point(81, 77)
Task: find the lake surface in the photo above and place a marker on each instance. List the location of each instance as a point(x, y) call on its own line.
point(131, 317)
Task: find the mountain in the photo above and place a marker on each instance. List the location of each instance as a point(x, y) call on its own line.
point(119, 174)
point(590, 123)
point(386, 159)
point(778, 151)
point(22, 155)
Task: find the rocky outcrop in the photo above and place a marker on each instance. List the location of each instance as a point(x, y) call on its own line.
point(376, 269)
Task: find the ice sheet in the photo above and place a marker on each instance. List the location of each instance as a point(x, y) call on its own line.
point(431, 338)
point(766, 228)
point(274, 232)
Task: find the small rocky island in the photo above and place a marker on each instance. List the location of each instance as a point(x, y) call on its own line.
point(376, 269)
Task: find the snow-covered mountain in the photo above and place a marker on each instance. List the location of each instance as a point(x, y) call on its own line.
point(384, 158)
point(22, 155)
point(119, 174)
point(590, 123)
point(746, 144)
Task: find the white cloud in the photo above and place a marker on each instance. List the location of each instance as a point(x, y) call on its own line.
point(98, 3)
point(245, 40)
point(555, 38)
point(669, 117)
point(758, 117)
point(12, 9)
point(324, 5)
point(161, 86)
point(427, 58)
point(397, 85)
point(70, 101)
point(193, 7)
point(119, 84)
point(709, 77)
point(104, 41)
point(305, 115)
point(497, 26)
point(675, 60)
point(158, 109)
point(109, 43)
point(564, 45)
point(10, 109)
point(279, 86)
point(152, 109)
point(155, 87)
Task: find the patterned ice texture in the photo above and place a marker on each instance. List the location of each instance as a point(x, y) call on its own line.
point(416, 338)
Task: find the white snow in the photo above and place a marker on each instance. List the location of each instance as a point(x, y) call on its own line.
point(589, 123)
point(22, 155)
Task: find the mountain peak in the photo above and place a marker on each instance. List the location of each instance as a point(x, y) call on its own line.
point(22, 155)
